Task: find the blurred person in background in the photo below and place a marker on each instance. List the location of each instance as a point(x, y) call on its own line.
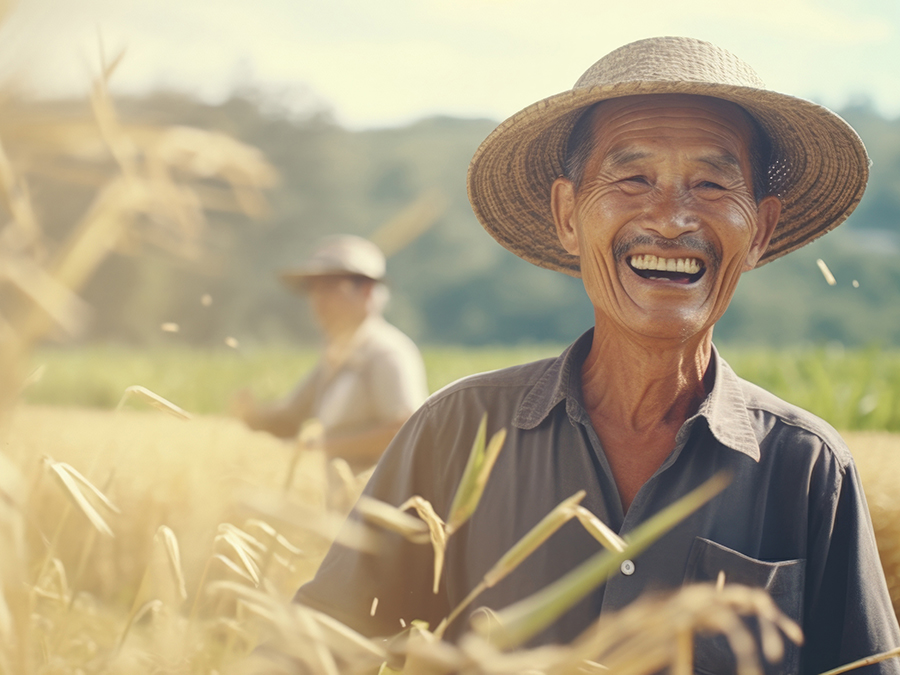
point(370, 377)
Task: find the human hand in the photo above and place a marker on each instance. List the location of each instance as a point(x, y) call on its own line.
point(242, 405)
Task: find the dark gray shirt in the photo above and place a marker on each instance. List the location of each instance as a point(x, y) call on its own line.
point(794, 519)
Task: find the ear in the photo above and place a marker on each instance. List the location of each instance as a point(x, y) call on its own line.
point(767, 214)
point(562, 204)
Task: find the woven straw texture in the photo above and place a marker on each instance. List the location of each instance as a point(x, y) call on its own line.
point(819, 167)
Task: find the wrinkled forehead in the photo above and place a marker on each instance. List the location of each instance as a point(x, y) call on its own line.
point(680, 116)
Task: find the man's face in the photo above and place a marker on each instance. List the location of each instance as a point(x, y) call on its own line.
point(337, 301)
point(668, 185)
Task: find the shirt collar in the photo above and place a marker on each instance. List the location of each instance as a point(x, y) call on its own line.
point(726, 412)
point(724, 409)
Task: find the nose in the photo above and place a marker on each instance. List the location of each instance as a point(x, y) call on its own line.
point(669, 214)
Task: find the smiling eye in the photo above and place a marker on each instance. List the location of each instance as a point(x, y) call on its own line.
point(709, 185)
point(641, 180)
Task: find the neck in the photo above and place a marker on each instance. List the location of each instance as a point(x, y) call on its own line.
point(638, 394)
point(343, 330)
point(636, 384)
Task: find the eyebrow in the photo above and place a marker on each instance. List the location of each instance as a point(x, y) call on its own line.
point(721, 161)
point(618, 158)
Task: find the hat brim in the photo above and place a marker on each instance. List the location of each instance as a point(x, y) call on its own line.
point(296, 280)
point(819, 168)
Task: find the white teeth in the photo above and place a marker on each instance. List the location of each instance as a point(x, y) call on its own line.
point(652, 262)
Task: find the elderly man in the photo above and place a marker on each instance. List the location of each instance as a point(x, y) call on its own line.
point(370, 377)
point(662, 176)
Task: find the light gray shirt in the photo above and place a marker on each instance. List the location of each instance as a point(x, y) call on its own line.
point(379, 379)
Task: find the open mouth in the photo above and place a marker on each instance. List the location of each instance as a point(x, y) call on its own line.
point(679, 270)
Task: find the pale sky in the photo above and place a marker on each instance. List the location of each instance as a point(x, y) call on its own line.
point(387, 62)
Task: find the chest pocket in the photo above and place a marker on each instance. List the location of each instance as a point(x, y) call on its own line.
point(783, 580)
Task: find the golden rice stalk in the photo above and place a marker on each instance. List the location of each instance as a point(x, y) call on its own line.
point(404, 228)
point(253, 544)
point(426, 654)
point(312, 434)
point(237, 569)
point(528, 544)
point(302, 628)
point(869, 660)
point(245, 552)
point(54, 575)
point(323, 661)
point(173, 555)
point(310, 437)
point(536, 536)
point(436, 531)
point(559, 516)
point(648, 635)
point(61, 305)
point(651, 635)
point(12, 491)
point(684, 653)
point(393, 519)
point(15, 197)
point(523, 619)
point(349, 485)
point(823, 268)
point(137, 615)
point(328, 525)
point(340, 638)
point(598, 529)
point(154, 400)
point(475, 476)
point(35, 376)
point(274, 535)
point(6, 620)
point(73, 482)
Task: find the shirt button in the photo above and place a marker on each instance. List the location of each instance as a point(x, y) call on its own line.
point(627, 568)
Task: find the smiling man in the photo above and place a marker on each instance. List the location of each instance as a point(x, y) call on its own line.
point(666, 173)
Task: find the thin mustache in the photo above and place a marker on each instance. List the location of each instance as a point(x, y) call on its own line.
point(623, 248)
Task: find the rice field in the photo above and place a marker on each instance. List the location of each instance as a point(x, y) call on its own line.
point(210, 531)
point(202, 480)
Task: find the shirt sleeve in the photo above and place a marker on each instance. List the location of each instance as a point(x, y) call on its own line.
point(283, 418)
point(398, 383)
point(848, 612)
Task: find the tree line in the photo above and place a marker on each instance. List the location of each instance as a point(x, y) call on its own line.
point(452, 284)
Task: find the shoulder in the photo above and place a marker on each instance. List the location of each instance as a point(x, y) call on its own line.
point(383, 337)
point(792, 426)
point(506, 387)
point(428, 454)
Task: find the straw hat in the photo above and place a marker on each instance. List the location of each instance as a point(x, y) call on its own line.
point(339, 255)
point(819, 164)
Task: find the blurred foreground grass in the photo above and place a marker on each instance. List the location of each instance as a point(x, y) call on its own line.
point(851, 389)
point(195, 477)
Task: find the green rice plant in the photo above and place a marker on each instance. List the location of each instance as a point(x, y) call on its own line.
point(519, 622)
point(851, 389)
point(559, 516)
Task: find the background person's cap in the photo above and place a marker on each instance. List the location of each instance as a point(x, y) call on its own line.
point(340, 255)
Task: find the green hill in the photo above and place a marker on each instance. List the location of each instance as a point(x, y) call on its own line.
point(454, 284)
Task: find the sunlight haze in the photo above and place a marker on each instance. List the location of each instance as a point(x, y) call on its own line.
point(390, 62)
